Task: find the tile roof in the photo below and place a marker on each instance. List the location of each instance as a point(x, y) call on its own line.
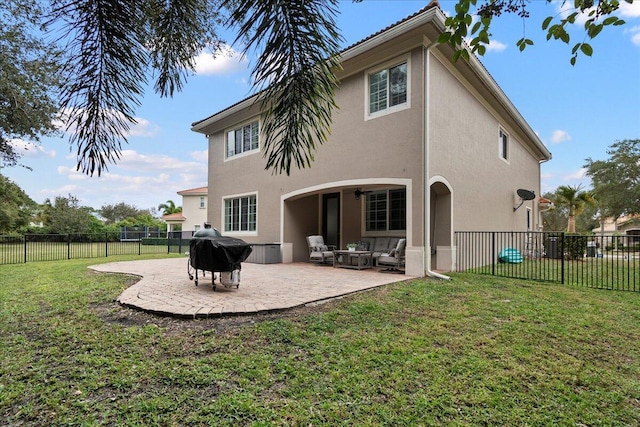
point(173, 217)
point(544, 201)
point(192, 191)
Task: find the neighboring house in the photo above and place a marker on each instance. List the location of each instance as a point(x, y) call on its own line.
point(627, 225)
point(410, 123)
point(194, 211)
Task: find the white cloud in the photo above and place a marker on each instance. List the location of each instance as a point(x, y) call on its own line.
point(635, 34)
point(132, 160)
point(72, 174)
point(496, 46)
point(66, 189)
point(137, 183)
point(493, 46)
point(630, 10)
point(559, 136)
point(227, 61)
point(63, 191)
point(192, 180)
point(579, 174)
point(140, 127)
point(144, 189)
point(200, 156)
point(139, 179)
point(30, 149)
point(143, 164)
point(625, 10)
point(143, 128)
point(566, 8)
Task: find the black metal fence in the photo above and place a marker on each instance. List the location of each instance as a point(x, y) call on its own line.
point(53, 247)
point(596, 261)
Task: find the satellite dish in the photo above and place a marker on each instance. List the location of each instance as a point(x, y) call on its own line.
point(524, 196)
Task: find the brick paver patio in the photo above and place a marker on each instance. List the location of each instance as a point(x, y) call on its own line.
point(165, 287)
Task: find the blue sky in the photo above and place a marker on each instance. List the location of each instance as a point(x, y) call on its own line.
point(577, 111)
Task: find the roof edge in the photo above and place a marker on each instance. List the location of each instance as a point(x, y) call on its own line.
point(488, 80)
point(195, 190)
point(421, 17)
point(433, 14)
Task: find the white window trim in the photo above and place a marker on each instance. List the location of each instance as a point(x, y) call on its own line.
point(508, 148)
point(202, 202)
point(222, 213)
point(386, 65)
point(239, 126)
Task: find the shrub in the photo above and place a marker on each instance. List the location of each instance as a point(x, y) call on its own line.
point(152, 241)
point(575, 245)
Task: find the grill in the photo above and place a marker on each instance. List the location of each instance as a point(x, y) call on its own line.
point(209, 251)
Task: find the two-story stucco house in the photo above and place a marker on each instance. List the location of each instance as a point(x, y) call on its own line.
point(194, 211)
point(420, 147)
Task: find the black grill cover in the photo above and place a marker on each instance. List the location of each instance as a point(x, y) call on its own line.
point(218, 253)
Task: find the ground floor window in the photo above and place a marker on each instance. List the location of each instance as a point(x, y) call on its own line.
point(386, 210)
point(240, 214)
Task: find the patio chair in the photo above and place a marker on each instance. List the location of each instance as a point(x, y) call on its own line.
point(394, 260)
point(319, 253)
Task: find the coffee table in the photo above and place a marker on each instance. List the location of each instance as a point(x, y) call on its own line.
point(345, 258)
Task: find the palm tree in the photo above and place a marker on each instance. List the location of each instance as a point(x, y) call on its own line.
point(575, 201)
point(169, 207)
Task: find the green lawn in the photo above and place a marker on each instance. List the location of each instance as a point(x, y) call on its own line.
point(477, 350)
point(16, 253)
point(611, 272)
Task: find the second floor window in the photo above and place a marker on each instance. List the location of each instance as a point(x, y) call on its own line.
point(388, 88)
point(202, 205)
point(504, 145)
point(243, 139)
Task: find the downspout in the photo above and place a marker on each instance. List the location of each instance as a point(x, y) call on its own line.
point(425, 164)
point(551, 206)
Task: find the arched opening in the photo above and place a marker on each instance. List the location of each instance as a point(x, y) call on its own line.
point(441, 233)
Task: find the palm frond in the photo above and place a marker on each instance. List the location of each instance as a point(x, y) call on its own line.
point(179, 31)
point(104, 76)
point(298, 41)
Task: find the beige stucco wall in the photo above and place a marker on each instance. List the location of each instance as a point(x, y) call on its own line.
point(464, 141)
point(194, 215)
point(382, 149)
point(383, 152)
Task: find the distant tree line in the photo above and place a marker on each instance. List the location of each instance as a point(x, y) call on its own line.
point(19, 214)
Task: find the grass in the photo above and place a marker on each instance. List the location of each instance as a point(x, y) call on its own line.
point(619, 273)
point(474, 351)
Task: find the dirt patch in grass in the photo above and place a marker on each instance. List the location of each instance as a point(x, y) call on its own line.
point(115, 313)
